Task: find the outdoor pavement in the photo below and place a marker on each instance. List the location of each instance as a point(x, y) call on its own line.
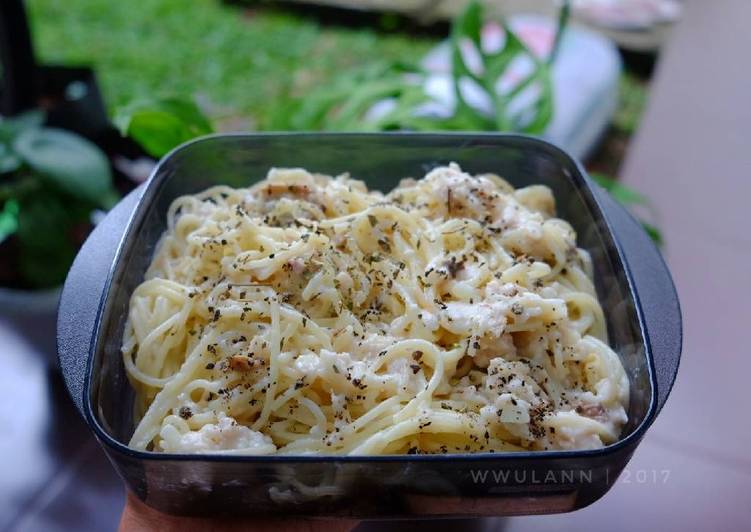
point(692, 158)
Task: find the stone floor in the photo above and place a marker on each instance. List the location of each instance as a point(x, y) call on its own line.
point(692, 157)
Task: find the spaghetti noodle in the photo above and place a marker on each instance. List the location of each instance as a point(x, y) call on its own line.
point(308, 315)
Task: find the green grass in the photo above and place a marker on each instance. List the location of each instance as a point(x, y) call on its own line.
point(239, 63)
point(242, 65)
point(633, 100)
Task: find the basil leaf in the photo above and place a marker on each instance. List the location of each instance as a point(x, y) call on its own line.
point(68, 161)
point(161, 125)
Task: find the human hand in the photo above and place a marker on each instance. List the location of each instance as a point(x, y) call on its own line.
point(137, 517)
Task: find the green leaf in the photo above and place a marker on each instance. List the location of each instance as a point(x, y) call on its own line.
point(653, 233)
point(344, 103)
point(19, 186)
point(564, 14)
point(627, 197)
point(542, 106)
point(402, 116)
point(633, 93)
point(497, 62)
point(468, 26)
point(45, 223)
point(189, 113)
point(620, 192)
point(9, 161)
point(157, 132)
point(11, 127)
point(351, 112)
point(161, 125)
point(8, 219)
point(67, 161)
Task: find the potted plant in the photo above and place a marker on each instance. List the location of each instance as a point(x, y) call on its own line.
point(53, 184)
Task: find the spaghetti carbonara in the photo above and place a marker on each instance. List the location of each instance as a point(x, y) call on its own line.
point(308, 315)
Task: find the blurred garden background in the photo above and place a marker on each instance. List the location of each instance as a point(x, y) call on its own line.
point(243, 63)
point(96, 91)
point(243, 60)
point(247, 63)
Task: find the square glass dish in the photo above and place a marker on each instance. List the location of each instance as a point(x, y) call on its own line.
point(632, 282)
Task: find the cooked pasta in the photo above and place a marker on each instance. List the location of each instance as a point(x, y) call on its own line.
point(308, 315)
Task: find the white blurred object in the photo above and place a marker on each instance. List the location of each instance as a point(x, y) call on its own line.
point(137, 170)
point(585, 79)
point(636, 25)
point(629, 15)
